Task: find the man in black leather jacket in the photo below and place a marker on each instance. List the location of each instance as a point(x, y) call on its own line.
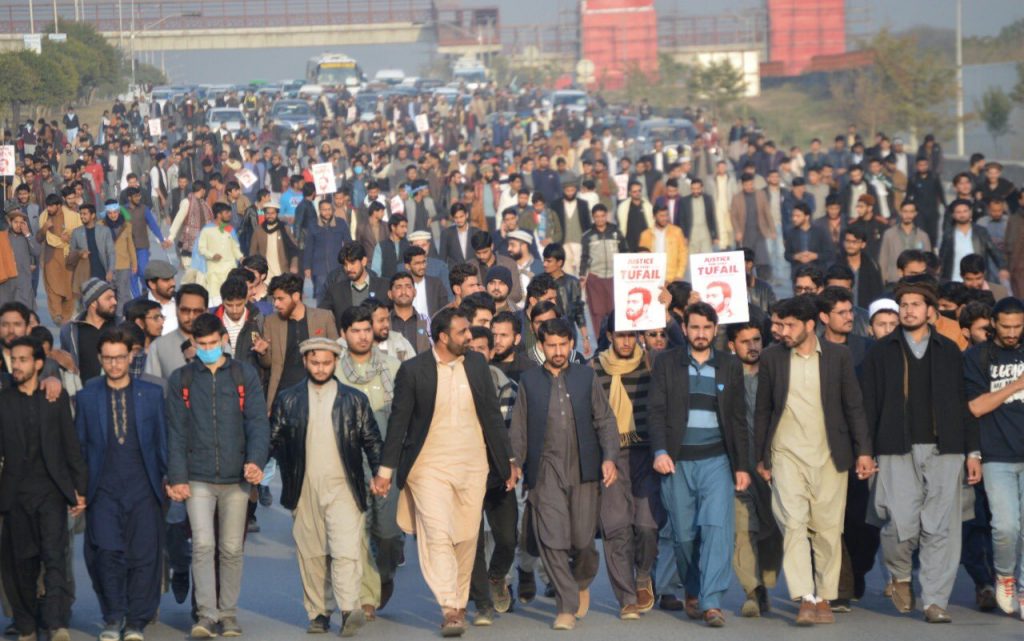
point(320, 430)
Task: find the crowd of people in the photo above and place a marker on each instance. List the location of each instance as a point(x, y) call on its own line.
point(457, 372)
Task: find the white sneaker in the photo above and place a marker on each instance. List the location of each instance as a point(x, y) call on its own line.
point(1006, 591)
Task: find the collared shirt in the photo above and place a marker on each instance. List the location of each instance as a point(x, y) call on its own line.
point(170, 312)
point(801, 431)
point(962, 246)
point(234, 328)
point(360, 292)
point(659, 239)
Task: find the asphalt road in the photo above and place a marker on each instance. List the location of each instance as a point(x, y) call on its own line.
point(271, 609)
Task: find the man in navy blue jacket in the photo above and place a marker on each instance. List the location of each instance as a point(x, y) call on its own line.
point(120, 425)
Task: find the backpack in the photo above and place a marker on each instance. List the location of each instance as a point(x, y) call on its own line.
point(236, 377)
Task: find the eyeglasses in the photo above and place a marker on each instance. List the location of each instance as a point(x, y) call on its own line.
point(654, 334)
point(120, 358)
point(803, 290)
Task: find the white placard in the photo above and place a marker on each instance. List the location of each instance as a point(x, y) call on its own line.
point(7, 160)
point(323, 178)
point(156, 127)
point(246, 178)
point(422, 123)
point(721, 281)
point(622, 182)
point(638, 281)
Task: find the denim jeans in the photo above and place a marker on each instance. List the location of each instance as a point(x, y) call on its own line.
point(229, 502)
point(1004, 485)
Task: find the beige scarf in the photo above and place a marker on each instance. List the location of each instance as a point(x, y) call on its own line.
point(619, 400)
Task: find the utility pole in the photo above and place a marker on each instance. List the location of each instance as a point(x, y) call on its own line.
point(120, 27)
point(960, 77)
point(55, 26)
point(31, 17)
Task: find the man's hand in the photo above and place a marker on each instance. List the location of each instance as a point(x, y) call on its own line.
point(179, 492)
point(253, 473)
point(216, 258)
point(764, 473)
point(739, 240)
point(79, 506)
point(52, 387)
point(609, 473)
point(110, 276)
point(165, 243)
point(517, 473)
point(973, 471)
point(380, 486)
point(742, 481)
point(663, 464)
point(84, 253)
point(1004, 275)
point(259, 344)
point(866, 467)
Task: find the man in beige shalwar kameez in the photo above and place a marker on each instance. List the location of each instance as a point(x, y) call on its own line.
point(444, 432)
point(320, 431)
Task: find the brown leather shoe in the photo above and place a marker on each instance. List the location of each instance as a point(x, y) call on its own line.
point(806, 616)
point(823, 613)
point(692, 607)
point(935, 614)
point(902, 595)
point(645, 595)
point(629, 612)
point(670, 603)
point(454, 624)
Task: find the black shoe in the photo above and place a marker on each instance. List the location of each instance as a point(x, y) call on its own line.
point(670, 603)
point(266, 498)
point(527, 586)
point(11, 630)
point(387, 588)
point(401, 558)
point(763, 602)
point(841, 606)
point(549, 591)
point(179, 586)
point(859, 587)
point(320, 625)
point(253, 527)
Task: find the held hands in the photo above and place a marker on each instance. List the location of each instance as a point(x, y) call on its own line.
point(517, 473)
point(380, 486)
point(253, 473)
point(973, 471)
point(663, 464)
point(179, 492)
point(764, 473)
point(79, 505)
point(742, 481)
point(609, 473)
point(866, 467)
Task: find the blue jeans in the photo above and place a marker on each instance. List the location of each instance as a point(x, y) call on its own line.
point(698, 500)
point(1004, 484)
point(138, 284)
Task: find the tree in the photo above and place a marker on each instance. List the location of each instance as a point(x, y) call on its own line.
point(19, 83)
point(1017, 94)
point(718, 83)
point(994, 110)
point(917, 85)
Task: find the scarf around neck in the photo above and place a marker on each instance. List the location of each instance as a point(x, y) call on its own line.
point(374, 367)
point(618, 398)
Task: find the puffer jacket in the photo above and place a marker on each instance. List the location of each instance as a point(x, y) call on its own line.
point(355, 431)
point(211, 436)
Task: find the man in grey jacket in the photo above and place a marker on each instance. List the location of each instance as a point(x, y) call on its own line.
point(95, 244)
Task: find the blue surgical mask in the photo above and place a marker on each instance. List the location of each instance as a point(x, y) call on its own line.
point(210, 356)
point(357, 170)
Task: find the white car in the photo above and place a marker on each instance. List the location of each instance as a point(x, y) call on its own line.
point(232, 117)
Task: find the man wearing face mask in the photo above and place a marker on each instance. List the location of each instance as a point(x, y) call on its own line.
point(215, 450)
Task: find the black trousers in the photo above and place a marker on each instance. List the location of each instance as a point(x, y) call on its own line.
point(35, 535)
point(502, 513)
point(860, 539)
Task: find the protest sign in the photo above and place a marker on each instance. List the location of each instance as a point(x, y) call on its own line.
point(721, 281)
point(323, 178)
point(156, 128)
point(637, 282)
point(246, 178)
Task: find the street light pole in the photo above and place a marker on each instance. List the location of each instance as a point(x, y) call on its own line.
point(55, 16)
point(31, 17)
point(960, 77)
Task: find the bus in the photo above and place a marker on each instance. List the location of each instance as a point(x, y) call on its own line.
point(334, 70)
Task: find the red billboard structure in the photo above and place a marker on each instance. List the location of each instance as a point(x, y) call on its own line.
point(800, 30)
point(619, 37)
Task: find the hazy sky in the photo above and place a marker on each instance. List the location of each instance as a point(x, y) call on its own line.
point(981, 17)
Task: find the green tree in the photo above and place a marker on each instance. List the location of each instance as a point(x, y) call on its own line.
point(19, 83)
point(1017, 93)
point(994, 110)
point(147, 74)
point(917, 85)
point(717, 83)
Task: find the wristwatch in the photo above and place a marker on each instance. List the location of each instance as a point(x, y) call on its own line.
point(974, 455)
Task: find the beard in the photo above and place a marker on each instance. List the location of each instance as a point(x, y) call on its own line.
point(320, 379)
point(107, 314)
point(501, 356)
